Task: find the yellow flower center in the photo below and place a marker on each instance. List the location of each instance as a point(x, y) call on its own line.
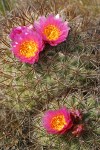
point(52, 32)
point(58, 122)
point(28, 48)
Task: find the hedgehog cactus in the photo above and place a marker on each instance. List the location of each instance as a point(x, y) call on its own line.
point(65, 75)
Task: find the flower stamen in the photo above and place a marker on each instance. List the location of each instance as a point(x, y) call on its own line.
point(28, 49)
point(58, 122)
point(52, 32)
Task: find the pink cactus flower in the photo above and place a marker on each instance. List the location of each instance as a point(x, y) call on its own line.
point(26, 44)
point(57, 121)
point(52, 29)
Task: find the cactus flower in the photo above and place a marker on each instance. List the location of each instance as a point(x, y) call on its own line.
point(53, 29)
point(26, 44)
point(57, 121)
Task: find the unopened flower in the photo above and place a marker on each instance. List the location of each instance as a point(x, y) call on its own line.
point(57, 121)
point(52, 29)
point(27, 45)
point(76, 115)
point(78, 130)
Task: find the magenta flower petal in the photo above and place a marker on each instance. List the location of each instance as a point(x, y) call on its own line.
point(16, 31)
point(57, 121)
point(26, 45)
point(52, 29)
